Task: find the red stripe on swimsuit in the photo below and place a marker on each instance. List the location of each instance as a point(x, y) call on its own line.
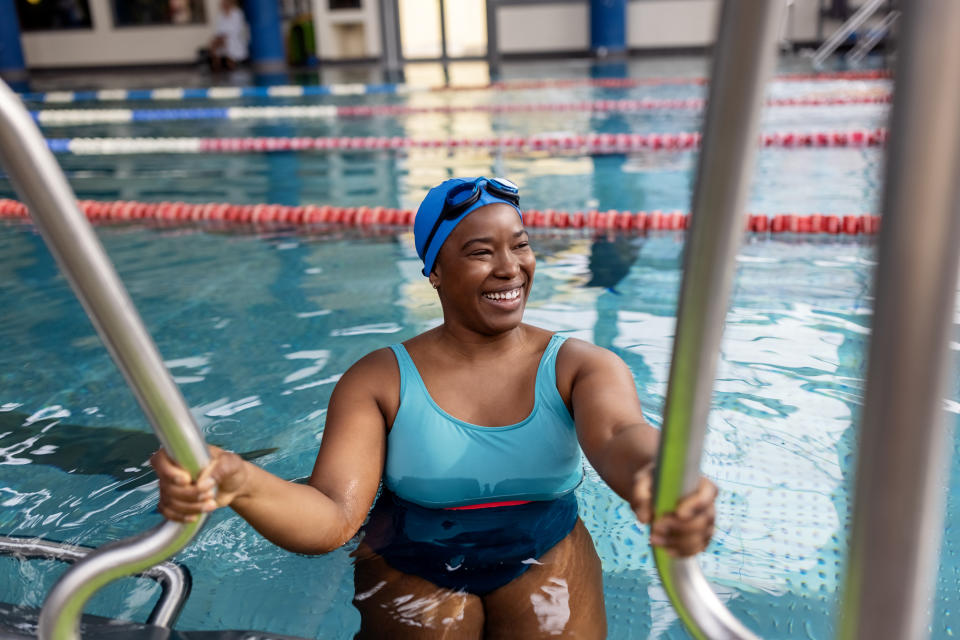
point(487, 505)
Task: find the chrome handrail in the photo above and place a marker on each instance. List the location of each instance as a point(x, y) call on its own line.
point(743, 61)
point(40, 183)
point(872, 39)
point(173, 579)
point(905, 436)
point(843, 32)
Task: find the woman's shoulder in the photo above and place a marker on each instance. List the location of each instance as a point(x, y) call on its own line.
point(579, 361)
point(420, 339)
point(376, 370)
point(579, 356)
point(381, 359)
point(573, 350)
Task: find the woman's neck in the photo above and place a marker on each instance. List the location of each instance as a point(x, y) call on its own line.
point(473, 345)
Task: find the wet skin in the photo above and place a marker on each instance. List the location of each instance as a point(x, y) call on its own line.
point(559, 597)
point(482, 338)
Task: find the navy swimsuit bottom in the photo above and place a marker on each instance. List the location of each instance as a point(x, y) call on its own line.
point(471, 550)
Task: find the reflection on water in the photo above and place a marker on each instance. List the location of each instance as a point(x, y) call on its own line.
point(43, 438)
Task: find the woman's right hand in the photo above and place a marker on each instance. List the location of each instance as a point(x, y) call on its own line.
point(182, 500)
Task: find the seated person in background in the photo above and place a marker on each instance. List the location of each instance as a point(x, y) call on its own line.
point(228, 48)
point(475, 429)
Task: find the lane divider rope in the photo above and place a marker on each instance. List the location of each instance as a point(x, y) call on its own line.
point(64, 117)
point(273, 214)
point(293, 91)
point(596, 143)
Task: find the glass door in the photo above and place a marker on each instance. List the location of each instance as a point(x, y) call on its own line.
point(442, 29)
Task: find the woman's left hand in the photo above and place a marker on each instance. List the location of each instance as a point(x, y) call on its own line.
point(684, 532)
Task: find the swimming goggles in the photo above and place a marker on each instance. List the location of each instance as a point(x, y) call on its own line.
point(465, 195)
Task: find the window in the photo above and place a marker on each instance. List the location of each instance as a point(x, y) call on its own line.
point(134, 13)
point(46, 15)
point(465, 27)
point(420, 28)
point(462, 33)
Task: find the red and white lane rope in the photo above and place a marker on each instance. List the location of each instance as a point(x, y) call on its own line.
point(596, 143)
point(69, 117)
point(640, 104)
point(624, 83)
point(186, 213)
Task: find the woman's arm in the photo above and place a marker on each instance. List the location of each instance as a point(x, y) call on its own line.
point(313, 518)
point(622, 447)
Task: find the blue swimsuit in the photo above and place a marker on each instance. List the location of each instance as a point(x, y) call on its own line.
point(437, 465)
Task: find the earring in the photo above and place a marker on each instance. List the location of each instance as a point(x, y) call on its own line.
point(436, 285)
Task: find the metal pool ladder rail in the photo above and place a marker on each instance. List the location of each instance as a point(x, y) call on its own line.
point(743, 60)
point(904, 448)
point(173, 579)
point(905, 440)
point(40, 183)
point(847, 28)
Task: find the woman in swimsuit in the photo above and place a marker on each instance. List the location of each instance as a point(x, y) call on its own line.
point(475, 429)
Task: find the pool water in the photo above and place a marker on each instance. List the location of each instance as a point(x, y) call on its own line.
point(256, 329)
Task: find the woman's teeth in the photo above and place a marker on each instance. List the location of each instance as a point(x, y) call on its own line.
point(503, 295)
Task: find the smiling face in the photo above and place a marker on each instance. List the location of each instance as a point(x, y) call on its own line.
point(484, 271)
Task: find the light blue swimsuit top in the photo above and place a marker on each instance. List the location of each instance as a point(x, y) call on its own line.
point(436, 460)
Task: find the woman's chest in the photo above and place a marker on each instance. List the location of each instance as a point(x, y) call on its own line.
point(493, 396)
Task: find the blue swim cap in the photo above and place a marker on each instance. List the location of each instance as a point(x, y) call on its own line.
point(432, 208)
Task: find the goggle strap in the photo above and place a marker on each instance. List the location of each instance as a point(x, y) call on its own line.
point(451, 211)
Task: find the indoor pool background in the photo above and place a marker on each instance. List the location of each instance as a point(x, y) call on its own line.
point(257, 329)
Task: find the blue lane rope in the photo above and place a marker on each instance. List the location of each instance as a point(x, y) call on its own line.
point(153, 115)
